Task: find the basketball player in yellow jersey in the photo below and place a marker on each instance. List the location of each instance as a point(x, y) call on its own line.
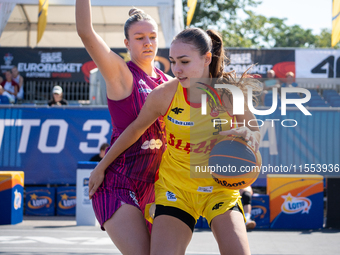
point(182, 194)
point(190, 138)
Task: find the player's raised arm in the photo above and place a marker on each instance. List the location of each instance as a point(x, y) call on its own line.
point(117, 76)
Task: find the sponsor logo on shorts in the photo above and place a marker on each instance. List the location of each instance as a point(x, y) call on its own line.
point(217, 206)
point(133, 196)
point(207, 189)
point(181, 123)
point(171, 196)
point(152, 144)
point(177, 110)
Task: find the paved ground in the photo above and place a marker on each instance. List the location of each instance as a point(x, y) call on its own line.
point(61, 236)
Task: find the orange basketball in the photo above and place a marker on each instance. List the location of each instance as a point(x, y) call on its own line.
point(234, 164)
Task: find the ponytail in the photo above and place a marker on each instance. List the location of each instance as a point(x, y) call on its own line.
point(216, 67)
point(216, 70)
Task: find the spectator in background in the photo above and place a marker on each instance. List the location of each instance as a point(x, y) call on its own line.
point(4, 93)
point(290, 80)
point(269, 84)
point(1, 88)
point(20, 80)
point(57, 97)
point(247, 194)
point(9, 87)
point(98, 157)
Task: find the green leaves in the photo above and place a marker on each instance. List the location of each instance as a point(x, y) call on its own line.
point(242, 27)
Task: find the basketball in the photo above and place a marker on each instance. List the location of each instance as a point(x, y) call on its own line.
point(234, 164)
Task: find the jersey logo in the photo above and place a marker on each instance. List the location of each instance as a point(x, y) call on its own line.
point(152, 144)
point(218, 205)
point(177, 110)
point(143, 90)
point(141, 82)
point(207, 189)
point(214, 113)
point(181, 123)
point(171, 196)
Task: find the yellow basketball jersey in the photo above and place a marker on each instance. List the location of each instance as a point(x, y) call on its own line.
point(190, 138)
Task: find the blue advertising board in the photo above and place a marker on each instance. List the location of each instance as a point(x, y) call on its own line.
point(296, 143)
point(260, 210)
point(66, 200)
point(46, 143)
point(11, 197)
point(40, 201)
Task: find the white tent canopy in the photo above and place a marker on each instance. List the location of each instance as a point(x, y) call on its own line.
point(108, 17)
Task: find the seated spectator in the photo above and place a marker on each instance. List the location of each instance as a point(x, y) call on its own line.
point(20, 80)
point(57, 97)
point(269, 84)
point(290, 80)
point(11, 98)
point(98, 157)
point(9, 87)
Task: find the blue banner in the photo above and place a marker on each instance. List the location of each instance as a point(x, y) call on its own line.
point(46, 143)
point(300, 144)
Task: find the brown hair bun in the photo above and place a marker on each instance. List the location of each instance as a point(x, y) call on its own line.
point(134, 11)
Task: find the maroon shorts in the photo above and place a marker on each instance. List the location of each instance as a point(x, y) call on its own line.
point(116, 190)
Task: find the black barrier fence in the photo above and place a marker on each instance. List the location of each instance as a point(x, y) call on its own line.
point(40, 91)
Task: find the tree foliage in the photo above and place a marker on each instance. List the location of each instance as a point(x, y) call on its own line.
point(242, 27)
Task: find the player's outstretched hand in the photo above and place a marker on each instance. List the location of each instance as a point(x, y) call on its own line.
point(246, 133)
point(96, 178)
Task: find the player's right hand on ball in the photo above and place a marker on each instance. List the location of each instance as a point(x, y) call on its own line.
point(96, 178)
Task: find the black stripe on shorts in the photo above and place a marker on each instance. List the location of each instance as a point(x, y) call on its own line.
point(234, 208)
point(177, 213)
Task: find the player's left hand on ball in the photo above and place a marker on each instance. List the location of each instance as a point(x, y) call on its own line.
point(246, 133)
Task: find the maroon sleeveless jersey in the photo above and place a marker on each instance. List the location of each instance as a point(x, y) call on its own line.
point(142, 159)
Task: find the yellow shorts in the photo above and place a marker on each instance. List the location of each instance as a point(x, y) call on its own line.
point(208, 205)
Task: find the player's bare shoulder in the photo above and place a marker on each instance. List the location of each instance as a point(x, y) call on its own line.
point(161, 96)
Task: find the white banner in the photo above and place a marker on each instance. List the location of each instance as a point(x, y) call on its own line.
point(317, 63)
point(6, 9)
